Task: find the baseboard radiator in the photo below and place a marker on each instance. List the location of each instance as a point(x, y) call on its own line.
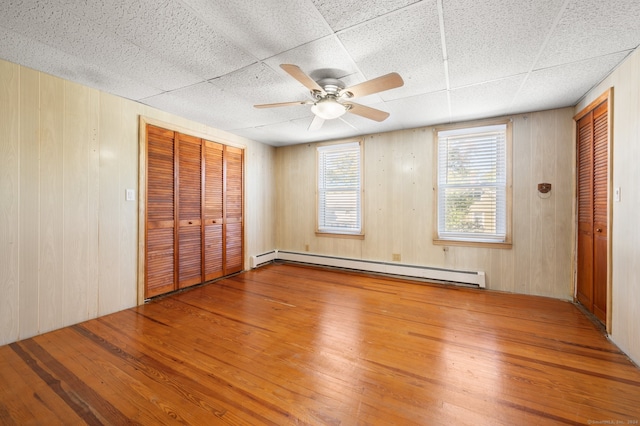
point(475, 278)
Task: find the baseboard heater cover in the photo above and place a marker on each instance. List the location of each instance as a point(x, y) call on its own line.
point(476, 278)
point(261, 259)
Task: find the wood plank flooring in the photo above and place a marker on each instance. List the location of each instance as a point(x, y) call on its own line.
point(288, 344)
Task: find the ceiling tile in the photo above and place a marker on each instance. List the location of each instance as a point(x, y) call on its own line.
point(259, 84)
point(175, 33)
point(263, 28)
point(590, 28)
point(52, 25)
point(33, 54)
point(484, 100)
point(406, 41)
point(323, 58)
point(279, 134)
point(201, 102)
point(492, 39)
point(341, 14)
point(421, 110)
point(563, 85)
point(169, 29)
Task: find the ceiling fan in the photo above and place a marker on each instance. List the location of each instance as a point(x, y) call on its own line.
point(330, 98)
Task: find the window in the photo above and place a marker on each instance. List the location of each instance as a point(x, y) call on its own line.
point(473, 184)
point(339, 189)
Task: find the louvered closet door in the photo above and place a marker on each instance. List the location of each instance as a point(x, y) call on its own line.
point(585, 211)
point(600, 209)
point(194, 223)
point(160, 226)
point(189, 210)
point(593, 199)
point(233, 232)
point(213, 210)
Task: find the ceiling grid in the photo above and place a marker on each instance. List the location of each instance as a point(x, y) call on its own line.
point(211, 61)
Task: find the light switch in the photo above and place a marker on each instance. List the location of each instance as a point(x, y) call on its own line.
point(616, 193)
point(130, 195)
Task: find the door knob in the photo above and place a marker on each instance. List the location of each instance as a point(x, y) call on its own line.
point(598, 229)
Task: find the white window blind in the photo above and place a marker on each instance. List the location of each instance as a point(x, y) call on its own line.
point(472, 184)
point(339, 189)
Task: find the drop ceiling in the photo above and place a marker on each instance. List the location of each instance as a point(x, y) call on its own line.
point(211, 61)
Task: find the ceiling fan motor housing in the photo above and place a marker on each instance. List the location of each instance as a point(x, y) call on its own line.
point(331, 86)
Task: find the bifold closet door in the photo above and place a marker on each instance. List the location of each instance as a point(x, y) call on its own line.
point(600, 209)
point(194, 211)
point(160, 227)
point(585, 211)
point(189, 197)
point(213, 211)
point(593, 146)
point(233, 232)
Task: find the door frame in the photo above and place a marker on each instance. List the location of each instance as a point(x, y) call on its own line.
point(606, 96)
point(142, 185)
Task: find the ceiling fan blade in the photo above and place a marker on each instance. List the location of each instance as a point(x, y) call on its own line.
point(376, 85)
point(295, 72)
point(316, 123)
point(367, 112)
point(281, 104)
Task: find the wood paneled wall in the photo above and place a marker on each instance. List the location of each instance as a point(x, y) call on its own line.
point(624, 231)
point(68, 238)
point(399, 213)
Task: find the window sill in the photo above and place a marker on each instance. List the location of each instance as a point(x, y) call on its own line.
point(337, 235)
point(481, 244)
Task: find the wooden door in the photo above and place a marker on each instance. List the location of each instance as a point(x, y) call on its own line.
point(233, 210)
point(194, 211)
point(160, 227)
point(213, 211)
point(585, 211)
point(600, 209)
point(593, 202)
point(189, 190)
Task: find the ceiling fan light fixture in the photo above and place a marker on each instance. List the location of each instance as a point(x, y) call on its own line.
point(328, 109)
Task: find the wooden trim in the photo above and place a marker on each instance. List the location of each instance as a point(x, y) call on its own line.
point(479, 244)
point(191, 132)
point(609, 323)
point(606, 96)
point(142, 207)
point(474, 123)
point(336, 235)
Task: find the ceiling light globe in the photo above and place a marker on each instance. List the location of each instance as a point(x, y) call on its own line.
point(328, 109)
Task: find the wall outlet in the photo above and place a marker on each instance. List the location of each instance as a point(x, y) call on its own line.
point(130, 195)
point(395, 257)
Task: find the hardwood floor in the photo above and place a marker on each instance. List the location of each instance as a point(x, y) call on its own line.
point(287, 344)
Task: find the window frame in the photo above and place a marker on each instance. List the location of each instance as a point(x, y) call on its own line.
point(507, 243)
point(358, 234)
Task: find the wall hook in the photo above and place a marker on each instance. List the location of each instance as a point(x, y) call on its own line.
point(543, 188)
